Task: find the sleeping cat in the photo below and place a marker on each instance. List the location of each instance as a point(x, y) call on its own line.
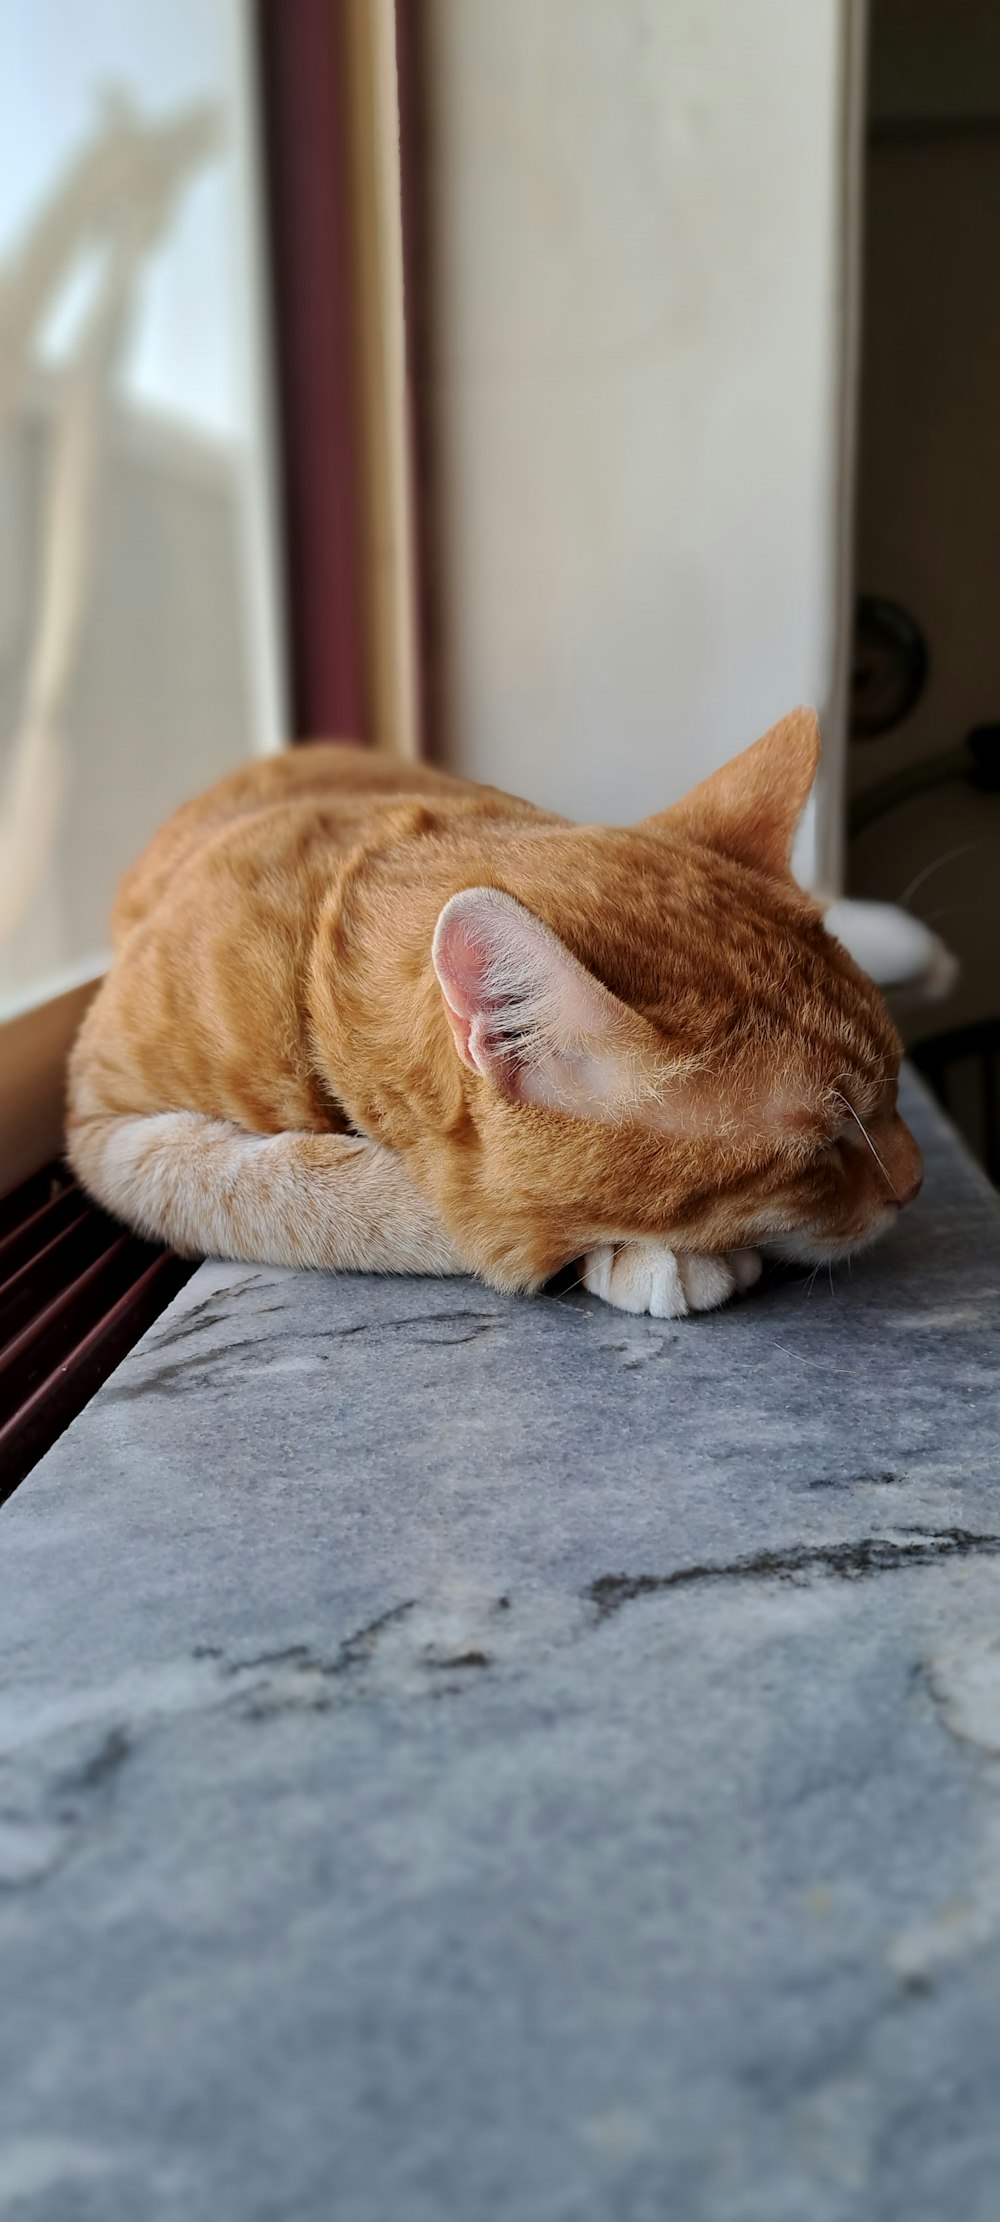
point(364, 1015)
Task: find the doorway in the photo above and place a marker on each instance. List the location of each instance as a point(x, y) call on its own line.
point(924, 756)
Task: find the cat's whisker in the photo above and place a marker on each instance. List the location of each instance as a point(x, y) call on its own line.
point(883, 1169)
point(580, 1282)
point(947, 910)
point(877, 1078)
point(950, 857)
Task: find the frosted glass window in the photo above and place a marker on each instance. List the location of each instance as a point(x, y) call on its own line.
point(139, 648)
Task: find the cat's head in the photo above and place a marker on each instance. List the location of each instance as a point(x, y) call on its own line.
point(662, 1039)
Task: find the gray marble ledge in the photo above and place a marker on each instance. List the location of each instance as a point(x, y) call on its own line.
point(467, 1758)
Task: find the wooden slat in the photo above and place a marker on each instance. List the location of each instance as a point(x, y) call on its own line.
point(50, 1267)
point(33, 1234)
point(33, 1194)
point(62, 1393)
point(66, 1316)
point(76, 1291)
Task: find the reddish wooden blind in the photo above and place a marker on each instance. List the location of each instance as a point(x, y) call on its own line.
point(76, 1291)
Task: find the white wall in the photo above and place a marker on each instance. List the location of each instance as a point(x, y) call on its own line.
point(636, 387)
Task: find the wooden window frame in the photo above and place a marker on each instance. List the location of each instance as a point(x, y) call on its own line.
point(336, 80)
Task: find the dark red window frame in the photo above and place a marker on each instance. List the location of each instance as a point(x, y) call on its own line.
point(303, 87)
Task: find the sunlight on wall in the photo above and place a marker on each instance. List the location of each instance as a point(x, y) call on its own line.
point(636, 385)
point(137, 627)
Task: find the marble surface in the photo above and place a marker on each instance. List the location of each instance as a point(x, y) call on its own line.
point(465, 1757)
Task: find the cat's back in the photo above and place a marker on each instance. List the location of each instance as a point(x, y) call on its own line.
point(329, 789)
point(204, 1007)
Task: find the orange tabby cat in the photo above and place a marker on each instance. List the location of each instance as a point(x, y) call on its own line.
point(364, 1015)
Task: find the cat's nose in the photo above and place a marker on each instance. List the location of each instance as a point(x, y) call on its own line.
point(902, 1165)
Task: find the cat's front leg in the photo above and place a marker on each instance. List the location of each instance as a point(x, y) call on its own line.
point(335, 1201)
point(647, 1276)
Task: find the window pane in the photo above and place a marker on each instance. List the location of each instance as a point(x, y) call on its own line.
point(139, 655)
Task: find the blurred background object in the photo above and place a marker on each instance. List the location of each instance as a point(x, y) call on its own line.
point(924, 776)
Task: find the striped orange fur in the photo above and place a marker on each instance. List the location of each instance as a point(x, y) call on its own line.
point(367, 1016)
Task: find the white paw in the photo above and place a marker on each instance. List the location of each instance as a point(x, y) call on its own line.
point(644, 1276)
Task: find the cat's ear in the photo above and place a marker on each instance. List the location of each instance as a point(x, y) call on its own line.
point(526, 1015)
point(750, 809)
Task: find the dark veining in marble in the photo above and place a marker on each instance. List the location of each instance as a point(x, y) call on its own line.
point(690, 1911)
point(850, 1562)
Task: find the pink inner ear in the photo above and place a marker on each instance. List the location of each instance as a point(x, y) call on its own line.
point(526, 1015)
point(461, 964)
point(462, 1029)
